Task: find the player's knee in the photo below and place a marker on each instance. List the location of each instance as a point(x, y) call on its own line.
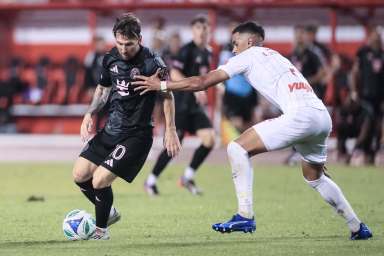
point(99, 182)
point(235, 151)
point(80, 175)
point(208, 140)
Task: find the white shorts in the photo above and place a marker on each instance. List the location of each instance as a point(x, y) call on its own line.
point(307, 129)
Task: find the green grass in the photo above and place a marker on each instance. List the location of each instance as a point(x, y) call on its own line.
point(291, 218)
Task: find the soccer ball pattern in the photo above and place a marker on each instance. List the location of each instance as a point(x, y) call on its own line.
point(78, 225)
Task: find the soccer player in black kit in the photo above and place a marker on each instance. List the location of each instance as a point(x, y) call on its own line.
point(121, 147)
point(192, 60)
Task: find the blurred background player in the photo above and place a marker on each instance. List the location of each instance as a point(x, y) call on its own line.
point(368, 83)
point(192, 59)
point(121, 148)
point(92, 70)
point(239, 98)
point(355, 119)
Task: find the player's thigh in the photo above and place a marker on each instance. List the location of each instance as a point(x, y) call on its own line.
point(250, 140)
point(313, 148)
point(207, 136)
point(102, 177)
point(283, 131)
point(83, 169)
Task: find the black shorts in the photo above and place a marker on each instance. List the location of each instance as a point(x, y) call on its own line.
point(192, 120)
point(124, 155)
point(236, 106)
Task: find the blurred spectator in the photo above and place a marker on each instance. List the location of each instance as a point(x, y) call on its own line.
point(355, 119)
point(13, 78)
point(169, 54)
point(172, 49)
point(5, 103)
point(240, 99)
point(379, 158)
point(323, 53)
point(320, 49)
point(10, 86)
point(307, 62)
point(158, 35)
point(338, 87)
point(92, 63)
point(368, 79)
point(73, 73)
point(38, 82)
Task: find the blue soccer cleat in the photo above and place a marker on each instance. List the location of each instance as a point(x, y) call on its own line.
point(237, 223)
point(363, 234)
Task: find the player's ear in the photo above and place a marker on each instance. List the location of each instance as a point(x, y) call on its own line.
point(250, 41)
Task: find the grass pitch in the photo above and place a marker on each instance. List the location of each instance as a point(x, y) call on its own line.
point(291, 218)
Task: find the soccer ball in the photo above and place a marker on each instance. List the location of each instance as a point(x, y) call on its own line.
point(78, 225)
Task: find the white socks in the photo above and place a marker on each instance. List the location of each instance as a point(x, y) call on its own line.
point(189, 173)
point(151, 180)
point(242, 175)
point(333, 195)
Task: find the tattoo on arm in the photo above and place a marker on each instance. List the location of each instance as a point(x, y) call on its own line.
point(100, 98)
point(169, 110)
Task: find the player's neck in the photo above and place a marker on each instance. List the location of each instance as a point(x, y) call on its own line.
point(200, 45)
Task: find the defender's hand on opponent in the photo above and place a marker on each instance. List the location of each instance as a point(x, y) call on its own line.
point(146, 83)
point(86, 127)
point(171, 142)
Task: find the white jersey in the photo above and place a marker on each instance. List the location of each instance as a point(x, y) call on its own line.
point(274, 77)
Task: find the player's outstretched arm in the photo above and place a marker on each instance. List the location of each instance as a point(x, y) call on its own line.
point(171, 140)
point(100, 98)
point(193, 83)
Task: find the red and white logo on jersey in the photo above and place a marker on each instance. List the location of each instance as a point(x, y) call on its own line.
point(300, 86)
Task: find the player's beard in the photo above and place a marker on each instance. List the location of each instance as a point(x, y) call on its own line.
point(128, 56)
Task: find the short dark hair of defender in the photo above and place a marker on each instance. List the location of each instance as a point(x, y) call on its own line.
point(127, 25)
point(199, 19)
point(250, 27)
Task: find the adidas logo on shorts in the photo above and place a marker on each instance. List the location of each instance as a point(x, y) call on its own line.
point(109, 162)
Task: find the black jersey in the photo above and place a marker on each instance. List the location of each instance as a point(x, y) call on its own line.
point(308, 63)
point(371, 67)
point(129, 111)
point(191, 61)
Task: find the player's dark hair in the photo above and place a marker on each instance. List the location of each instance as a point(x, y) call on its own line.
point(127, 25)
point(199, 19)
point(250, 27)
point(312, 28)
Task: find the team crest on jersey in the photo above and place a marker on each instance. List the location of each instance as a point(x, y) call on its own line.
point(134, 72)
point(123, 87)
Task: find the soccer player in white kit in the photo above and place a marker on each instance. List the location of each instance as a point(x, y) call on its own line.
point(304, 124)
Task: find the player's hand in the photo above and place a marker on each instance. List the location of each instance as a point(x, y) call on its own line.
point(201, 97)
point(86, 127)
point(146, 83)
point(171, 142)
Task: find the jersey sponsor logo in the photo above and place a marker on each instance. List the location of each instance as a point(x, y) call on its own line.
point(300, 86)
point(109, 162)
point(114, 69)
point(122, 87)
point(134, 72)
